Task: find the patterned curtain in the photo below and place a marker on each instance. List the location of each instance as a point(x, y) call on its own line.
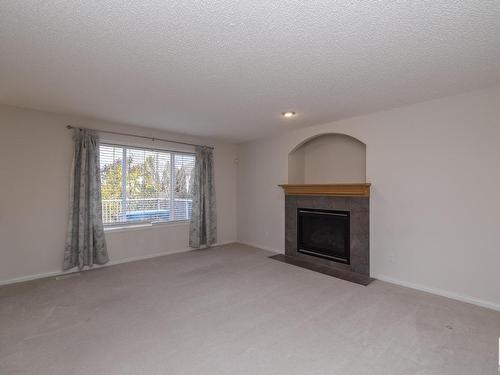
point(203, 228)
point(85, 242)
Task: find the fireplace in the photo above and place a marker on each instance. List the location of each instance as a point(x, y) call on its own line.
point(327, 229)
point(324, 234)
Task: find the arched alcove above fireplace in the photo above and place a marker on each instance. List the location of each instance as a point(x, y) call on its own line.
point(328, 159)
point(327, 205)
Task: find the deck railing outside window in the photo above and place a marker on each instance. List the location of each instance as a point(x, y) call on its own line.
point(115, 211)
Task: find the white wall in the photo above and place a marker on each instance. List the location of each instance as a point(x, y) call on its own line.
point(435, 205)
point(328, 159)
point(35, 160)
point(297, 166)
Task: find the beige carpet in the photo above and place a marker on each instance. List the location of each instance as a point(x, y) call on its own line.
point(231, 310)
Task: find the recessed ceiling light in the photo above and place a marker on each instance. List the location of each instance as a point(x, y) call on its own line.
point(288, 114)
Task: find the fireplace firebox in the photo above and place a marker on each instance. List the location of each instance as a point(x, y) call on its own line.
point(324, 233)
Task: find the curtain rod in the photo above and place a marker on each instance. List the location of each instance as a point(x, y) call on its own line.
point(139, 136)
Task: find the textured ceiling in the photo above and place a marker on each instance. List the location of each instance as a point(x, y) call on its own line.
point(227, 69)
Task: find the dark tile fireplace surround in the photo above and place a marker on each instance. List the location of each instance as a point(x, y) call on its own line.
point(328, 233)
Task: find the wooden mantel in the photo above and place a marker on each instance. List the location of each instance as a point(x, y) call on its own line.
point(332, 190)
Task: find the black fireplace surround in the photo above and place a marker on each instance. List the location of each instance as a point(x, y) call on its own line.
point(324, 233)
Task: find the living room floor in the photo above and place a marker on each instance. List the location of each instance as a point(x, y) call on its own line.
point(232, 310)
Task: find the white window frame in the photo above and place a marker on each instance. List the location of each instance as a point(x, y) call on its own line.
point(145, 223)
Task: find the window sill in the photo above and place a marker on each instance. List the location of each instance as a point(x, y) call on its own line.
point(145, 226)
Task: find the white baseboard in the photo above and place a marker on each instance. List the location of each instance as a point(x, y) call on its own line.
point(439, 292)
point(110, 263)
point(33, 277)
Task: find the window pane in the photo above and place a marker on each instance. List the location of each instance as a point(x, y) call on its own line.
point(183, 170)
point(148, 185)
point(111, 183)
point(137, 185)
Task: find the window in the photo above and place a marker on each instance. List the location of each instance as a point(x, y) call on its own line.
point(145, 185)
